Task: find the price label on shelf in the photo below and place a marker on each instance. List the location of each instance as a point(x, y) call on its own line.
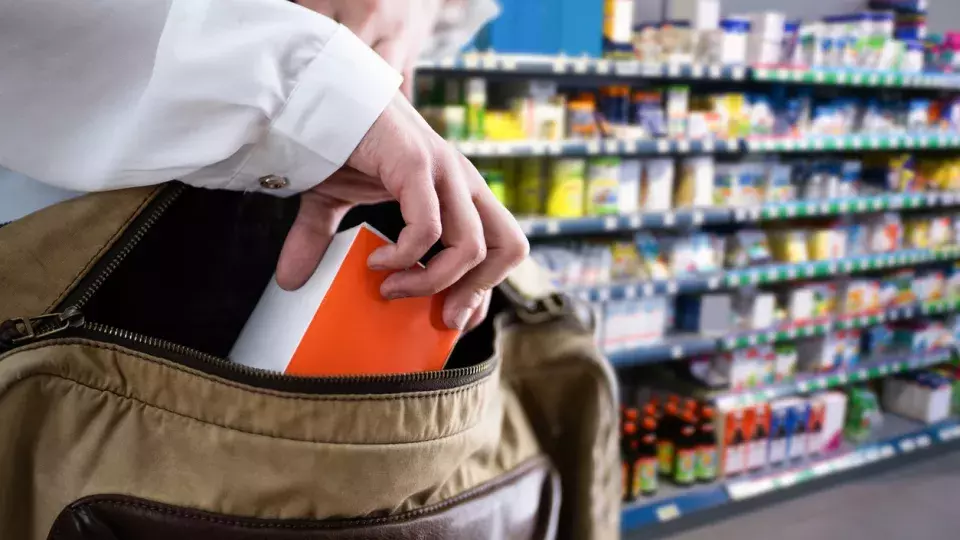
point(667, 512)
point(610, 223)
point(908, 445)
point(636, 221)
point(593, 147)
point(611, 147)
point(552, 226)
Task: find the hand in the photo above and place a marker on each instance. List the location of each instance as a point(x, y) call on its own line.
point(396, 29)
point(442, 197)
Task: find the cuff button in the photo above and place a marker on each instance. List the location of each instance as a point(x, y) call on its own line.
point(272, 181)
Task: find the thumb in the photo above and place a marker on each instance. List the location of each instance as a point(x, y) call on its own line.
point(316, 223)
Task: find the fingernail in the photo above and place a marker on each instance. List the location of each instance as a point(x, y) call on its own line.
point(378, 259)
point(460, 320)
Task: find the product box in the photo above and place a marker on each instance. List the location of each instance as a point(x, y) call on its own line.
point(768, 25)
point(801, 305)
point(834, 415)
point(756, 309)
point(815, 425)
point(798, 417)
point(628, 198)
point(657, 185)
point(923, 396)
point(757, 455)
point(695, 185)
point(779, 430)
point(702, 14)
point(786, 362)
point(708, 314)
point(820, 354)
point(324, 328)
point(734, 450)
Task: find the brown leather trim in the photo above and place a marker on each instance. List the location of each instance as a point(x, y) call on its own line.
point(521, 505)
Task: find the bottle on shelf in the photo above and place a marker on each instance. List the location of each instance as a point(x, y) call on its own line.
point(666, 435)
point(706, 459)
point(684, 465)
point(645, 466)
point(628, 457)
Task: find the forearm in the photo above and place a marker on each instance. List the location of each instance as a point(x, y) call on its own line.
point(110, 93)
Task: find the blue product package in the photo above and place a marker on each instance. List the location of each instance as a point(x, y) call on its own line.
point(581, 27)
point(918, 114)
point(797, 418)
point(877, 340)
point(780, 428)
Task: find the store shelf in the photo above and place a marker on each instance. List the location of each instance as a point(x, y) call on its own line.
point(859, 142)
point(651, 147)
point(598, 147)
point(532, 65)
point(896, 438)
point(546, 227)
point(856, 77)
point(889, 365)
point(819, 328)
point(685, 346)
point(673, 348)
point(765, 275)
point(529, 65)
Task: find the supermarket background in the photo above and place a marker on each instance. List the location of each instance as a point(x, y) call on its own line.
point(760, 201)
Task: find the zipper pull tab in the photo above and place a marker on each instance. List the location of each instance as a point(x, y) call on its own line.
point(20, 331)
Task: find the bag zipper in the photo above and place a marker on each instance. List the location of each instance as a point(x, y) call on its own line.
point(70, 323)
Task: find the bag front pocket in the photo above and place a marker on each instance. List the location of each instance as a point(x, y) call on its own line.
point(521, 505)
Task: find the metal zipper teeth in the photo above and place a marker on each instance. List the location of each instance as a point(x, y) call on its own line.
point(160, 207)
point(156, 343)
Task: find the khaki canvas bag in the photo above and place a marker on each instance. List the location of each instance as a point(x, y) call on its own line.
point(122, 419)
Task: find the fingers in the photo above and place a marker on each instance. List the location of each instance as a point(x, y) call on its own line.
point(420, 208)
point(480, 314)
point(307, 241)
point(462, 235)
point(506, 247)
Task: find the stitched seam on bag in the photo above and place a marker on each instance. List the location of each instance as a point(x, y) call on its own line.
point(509, 478)
point(252, 389)
point(245, 431)
point(103, 248)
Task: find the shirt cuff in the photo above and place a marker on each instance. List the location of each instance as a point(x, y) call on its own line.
point(338, 98)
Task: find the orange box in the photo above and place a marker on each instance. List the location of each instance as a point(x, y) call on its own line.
point(339, 324)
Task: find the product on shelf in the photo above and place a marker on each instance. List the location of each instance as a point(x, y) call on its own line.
point(863, 414)
point(565, 188)
point(925, 396)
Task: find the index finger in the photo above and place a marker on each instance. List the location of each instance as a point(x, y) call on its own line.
point(420, 209)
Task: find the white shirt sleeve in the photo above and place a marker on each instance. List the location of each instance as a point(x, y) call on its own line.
point(105, 94)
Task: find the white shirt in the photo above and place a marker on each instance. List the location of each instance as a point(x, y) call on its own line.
point(105, 94)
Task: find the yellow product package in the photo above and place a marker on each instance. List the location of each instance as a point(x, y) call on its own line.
point(529, 195)
point(565, 190)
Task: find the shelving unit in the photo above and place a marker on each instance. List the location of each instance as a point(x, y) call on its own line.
point(542, 227)
point(530, 66)
point(686, 346)
point(765, 275)
point(649, 147)
point(898, 437)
